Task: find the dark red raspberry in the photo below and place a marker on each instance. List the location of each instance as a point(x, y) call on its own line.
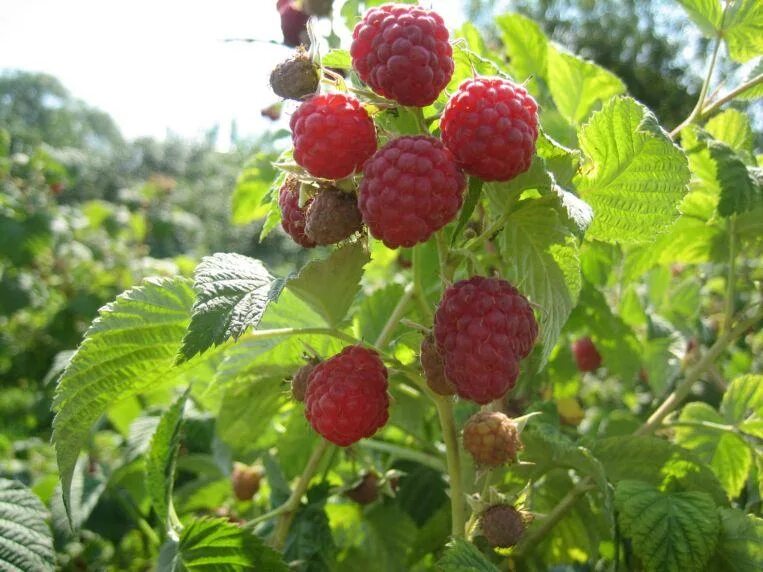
point(296, 77)
point(502, 525)
point(332, 135)
point(347, 397)
point(293, 23)
point(431, 363)
point(333, 216)
point(587, 357)
point(403, 53)
point(245, 481)
point(491, 438)
point(483, 327)
point(491, 125)
point(292, 216)
point(411, 188)
point(366, 491)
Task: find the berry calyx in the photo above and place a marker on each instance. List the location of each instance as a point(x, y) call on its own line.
point(300, 379)
point(245, 480)
point(346, 397)
point(366, 491)
point(431, 363)
point(587, 357)
point(292, 215)
point(411, 188)
point(333, 135)
point(502, 525)
point(491, 438)
point(295, 78)
point(483, 327)
point(332, 217)
point(293, 23)
point(491, 125)
point(402, 52)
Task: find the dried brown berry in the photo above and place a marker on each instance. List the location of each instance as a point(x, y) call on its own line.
point(366, 491)
point(245, 480)
point(299, 381)
point(431, 363)
point(491, 438)
point(502, 525)
point(295, 78)
point(332, 217)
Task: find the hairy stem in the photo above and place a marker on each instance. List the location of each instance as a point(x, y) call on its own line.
point(536, 534)
point(741, 88)
point(403, 453)
point(418, 285)
point(450, 436)
point(731, 275)
point(673, 400)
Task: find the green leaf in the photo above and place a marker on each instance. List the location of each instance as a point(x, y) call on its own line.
point(726, 453)
point(25, 539)
point(232, 293)
point(740, 546)
point(216, 545)
point(742, 404)
point(560, 160)
point(743, 29)
point(732, 127)
point(329, 286)
point(252, 185)
point(671, 532)
point(473, 195)
point(541, 256)
point(526, 45)
point(739, 191)
point(577, 85)
point(373, 312)
point(635, 176)
point(463, 556)
point(467, 64)
point(273, 218)
point(160, 463)
point(337, 59)
point(706, 14)
point(657, 462)
point(128, 349)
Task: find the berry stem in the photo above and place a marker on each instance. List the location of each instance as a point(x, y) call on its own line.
point(286, 515)
point(418, 285)
point(403, 453)
point(450, 436)
point(731, 275)
point(394, 317)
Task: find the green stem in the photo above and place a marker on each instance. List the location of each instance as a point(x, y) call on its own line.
point(394, 317)
point(705, 425)
point(731, 276)
point(403, 453)
point(418, 286)
point(446, 273)
point(757, 80)
point(673, 400)
point(497, 225)
point(535, 534)
point(450, 436)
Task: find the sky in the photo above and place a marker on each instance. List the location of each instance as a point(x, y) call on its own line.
point(157, 66)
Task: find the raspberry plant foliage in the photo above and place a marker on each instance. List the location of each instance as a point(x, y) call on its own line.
point(597, 229)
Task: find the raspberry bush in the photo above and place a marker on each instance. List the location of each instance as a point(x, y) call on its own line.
point(507, 258)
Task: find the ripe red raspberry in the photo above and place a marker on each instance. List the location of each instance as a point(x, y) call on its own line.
point(332, 135)
point(491, 125)
point(431, 363)
point(293, 23)
point(402, 52)
point(245, 481)
point(347, 397)
point(411, 188)
point(586, 355)
point(333, 216)
point(292, 216)
point(483, 327)
point(502, 525)
point(491, 438)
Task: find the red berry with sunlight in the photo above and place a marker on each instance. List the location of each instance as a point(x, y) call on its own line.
point(292, 216)
point(333, 135)
point(587, 357)
point(293, 23)
point(411, 188)
point(346, 397)
point(483, 327)
point(491, 125)
point(402, 52)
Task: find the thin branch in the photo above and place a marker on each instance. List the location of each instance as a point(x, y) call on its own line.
point(403, 453)
point(450, 436)
point(394, 318)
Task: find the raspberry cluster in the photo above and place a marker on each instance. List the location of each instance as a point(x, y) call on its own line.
point(483, 328)
point(346, 398)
